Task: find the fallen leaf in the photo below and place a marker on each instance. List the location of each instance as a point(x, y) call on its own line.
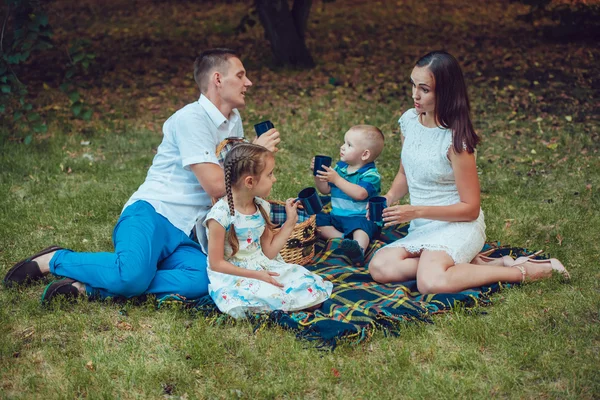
point(124, 326)
point(27, 332)
point(90, 365)
point(559, 238)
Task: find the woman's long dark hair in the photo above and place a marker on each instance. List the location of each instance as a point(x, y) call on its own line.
point(452, 107)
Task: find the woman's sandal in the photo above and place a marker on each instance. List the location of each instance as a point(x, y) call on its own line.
point(523, 272)
point(504, 261)
point(554, 264)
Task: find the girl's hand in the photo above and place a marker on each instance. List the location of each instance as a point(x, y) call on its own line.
point(267, 276)
point(329, 175)
point(399, 214)
point(312, 164)
point(291, 210)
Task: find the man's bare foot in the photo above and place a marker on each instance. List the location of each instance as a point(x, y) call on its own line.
point(44, 262)
point(80, 286)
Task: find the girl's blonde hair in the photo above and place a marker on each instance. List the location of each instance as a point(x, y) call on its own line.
point(242, 160)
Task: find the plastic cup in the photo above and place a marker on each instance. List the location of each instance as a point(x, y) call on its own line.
point(376, 206)
point(310, 200)
point(320, 161)
point(262, 127)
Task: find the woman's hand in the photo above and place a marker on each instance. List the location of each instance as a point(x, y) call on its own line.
point(388, 199)
point(399, 214)
point(291, 210)
point(267, 276)
point(329, 175)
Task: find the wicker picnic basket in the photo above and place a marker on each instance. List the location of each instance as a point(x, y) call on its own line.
point(300, 247)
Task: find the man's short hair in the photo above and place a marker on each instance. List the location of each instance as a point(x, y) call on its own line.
point(373, 139)
point(207, 62)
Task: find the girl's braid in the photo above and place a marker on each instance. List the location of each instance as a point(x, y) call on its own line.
point(242, 159)
point(231, 236)
point(228, 166)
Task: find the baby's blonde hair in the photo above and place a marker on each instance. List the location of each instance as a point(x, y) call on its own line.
point(372, 138)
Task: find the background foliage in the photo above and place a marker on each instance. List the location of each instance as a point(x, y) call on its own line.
point(535, 103)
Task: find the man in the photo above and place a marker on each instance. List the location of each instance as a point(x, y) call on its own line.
point(153, 250)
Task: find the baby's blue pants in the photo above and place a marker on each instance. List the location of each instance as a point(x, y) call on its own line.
point(151, 257)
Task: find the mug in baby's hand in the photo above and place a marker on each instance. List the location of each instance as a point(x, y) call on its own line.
point(320, 161)
point(310, 200)
point(262, 127)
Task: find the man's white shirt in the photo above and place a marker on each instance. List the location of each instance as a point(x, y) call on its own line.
point(190, 136)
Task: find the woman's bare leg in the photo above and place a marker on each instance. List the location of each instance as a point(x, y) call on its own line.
point(393, 264)
point(436, 273)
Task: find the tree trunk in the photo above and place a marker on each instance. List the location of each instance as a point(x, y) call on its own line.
point(285, 30)
point(300, 13)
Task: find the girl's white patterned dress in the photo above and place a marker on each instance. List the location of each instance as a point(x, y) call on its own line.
point(236, 295)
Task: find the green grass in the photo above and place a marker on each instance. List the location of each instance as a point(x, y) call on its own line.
point(540, 177)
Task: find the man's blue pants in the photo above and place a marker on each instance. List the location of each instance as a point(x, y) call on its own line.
point(151, 257)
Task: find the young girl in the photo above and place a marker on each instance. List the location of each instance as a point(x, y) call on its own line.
point(246, 273)
point(438, 170)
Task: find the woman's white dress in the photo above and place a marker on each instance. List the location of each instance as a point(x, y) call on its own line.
point(431, 183)
point(236, 295)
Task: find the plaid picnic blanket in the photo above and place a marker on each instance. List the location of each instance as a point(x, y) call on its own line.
point(359, 306)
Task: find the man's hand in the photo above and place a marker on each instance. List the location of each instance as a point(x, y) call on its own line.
point(270, 139)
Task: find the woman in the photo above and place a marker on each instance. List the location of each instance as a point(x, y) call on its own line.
point(438, 170)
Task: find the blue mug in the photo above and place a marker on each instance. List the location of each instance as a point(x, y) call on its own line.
point(310, 200)
point(319, 162)
point(376, 206)
point(262, 127)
